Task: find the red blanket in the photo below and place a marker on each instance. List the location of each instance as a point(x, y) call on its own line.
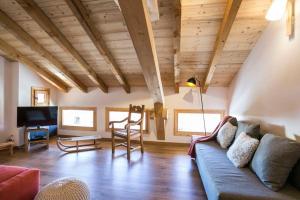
point(212, 136)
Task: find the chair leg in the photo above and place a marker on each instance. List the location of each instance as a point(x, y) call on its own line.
point(128, 148)
point(142, 143)
point(113, 143)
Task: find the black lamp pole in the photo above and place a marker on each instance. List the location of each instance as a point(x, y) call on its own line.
point(192, 82)
point(204, 124)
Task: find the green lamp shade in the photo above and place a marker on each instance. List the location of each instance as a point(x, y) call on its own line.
point(191, 82)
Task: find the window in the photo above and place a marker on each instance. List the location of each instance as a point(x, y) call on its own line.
point(118, 114)
point(78, 118)
point(190, 122)
point(40, 96)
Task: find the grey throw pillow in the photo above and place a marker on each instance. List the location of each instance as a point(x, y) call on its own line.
point(295, 176)
point(233, 121)
point(252, 129)
point(242, 150)
point(274, 159)
point(226, 134)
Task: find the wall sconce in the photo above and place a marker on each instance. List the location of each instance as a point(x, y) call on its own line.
point(277, 10)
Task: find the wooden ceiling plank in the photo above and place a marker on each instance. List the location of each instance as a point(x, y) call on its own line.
point(14, 54)
point(50, 28)
point(231, 11)
point(22, 35)
point(140, 29)
point(177, 35)
point(87, 24)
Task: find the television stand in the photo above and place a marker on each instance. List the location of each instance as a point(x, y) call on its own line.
point(27, 140)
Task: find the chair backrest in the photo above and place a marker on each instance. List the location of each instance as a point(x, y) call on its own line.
point(138, 110)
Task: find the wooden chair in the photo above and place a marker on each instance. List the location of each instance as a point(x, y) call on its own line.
point(128, 133)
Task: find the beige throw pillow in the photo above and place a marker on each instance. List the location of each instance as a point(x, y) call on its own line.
point(226, 135)
point(242, 150)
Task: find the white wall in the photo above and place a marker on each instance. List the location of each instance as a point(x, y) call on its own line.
point(16, 81)
point(28, 79)
point(267, 87)
point(187, 98)
point(7, 100)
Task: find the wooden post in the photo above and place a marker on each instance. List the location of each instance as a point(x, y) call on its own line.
point(290, 18)
point(176, 43)
point(159, 121)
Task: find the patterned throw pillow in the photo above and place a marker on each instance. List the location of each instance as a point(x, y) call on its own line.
point(242, 150)
point(226, 134)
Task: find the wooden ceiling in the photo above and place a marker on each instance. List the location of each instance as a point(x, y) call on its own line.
point(60, 40)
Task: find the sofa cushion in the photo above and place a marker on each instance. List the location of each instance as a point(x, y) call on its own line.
point(274, 159)
point(19, 183)
point(8, 172)
point(295, 175)
point(221, 178)
point(226, 134)
point(242, 150)
point(252, 129)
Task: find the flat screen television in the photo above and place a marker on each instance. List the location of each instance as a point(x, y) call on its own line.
point(37, 116)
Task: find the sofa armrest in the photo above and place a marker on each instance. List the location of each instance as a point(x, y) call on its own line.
point(23, 186)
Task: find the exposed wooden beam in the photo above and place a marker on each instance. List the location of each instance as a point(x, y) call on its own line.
point(176, 43)
point(87, 24)
point(231, 11)
point(176, 72)
point(28, 40)
point(14, 54)
point(152, 6)
point(49, 27)
point(139, 26)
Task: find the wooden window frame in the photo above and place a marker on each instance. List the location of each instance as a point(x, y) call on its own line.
point(185, 133)
point(78, 128)
point(108, 109)
point(36, 89)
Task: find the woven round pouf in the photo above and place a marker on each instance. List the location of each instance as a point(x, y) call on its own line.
point(64, 189)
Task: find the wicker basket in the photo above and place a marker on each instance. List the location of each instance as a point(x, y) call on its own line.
point(64, 189)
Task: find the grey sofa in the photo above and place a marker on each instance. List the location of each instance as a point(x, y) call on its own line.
point(223, 181)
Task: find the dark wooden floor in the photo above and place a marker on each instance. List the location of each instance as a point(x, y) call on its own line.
point(163, 172)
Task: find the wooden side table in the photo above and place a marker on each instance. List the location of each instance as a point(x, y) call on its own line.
point(7, 145)
point(27, 141)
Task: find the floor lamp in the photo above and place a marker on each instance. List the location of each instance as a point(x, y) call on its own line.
point(192, 82)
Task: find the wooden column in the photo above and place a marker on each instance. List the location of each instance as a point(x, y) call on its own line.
point(159, 121)
point(176, 44)
point(290, 23)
